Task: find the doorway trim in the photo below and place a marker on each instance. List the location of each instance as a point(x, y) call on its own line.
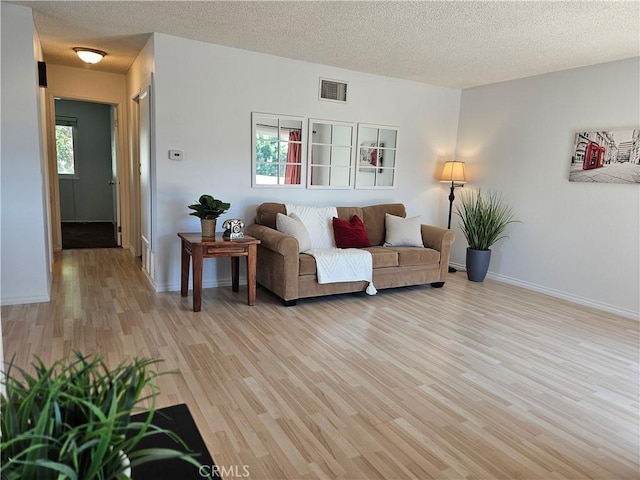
point(143, 228)
point(122, 178)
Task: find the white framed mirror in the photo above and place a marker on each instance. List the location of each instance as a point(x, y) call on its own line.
point(278, 146)
point(377, 155)
point(331, 154)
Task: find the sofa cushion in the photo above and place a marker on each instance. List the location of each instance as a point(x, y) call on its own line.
point(350, 234)
point(306, 264)
point(383, 257)
point(373, 218)
point(416, 256)
point(292, 225)
point(380, 256)
point(266, 213)
point(346, 213)
point(402, 232)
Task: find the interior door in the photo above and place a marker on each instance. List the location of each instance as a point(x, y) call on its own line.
point(114, 182)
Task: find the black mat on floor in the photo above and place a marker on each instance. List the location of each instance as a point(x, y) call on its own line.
point(178, 419)
point(88, 235)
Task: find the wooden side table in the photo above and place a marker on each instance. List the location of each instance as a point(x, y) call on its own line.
point(197, 247)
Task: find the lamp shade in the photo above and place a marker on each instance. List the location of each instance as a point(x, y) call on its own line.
point(89, 55)
point(453, 172)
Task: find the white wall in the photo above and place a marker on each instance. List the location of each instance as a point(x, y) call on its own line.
point(25, 261)
point(204, 96)
point(578, 241)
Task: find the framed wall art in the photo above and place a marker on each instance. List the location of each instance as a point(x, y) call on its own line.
point(606, 156)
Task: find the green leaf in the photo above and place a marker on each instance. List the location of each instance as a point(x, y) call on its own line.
point(152, 454)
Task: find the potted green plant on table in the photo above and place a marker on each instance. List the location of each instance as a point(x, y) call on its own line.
point(208, 209)
point(72, 420)
point(483, 221)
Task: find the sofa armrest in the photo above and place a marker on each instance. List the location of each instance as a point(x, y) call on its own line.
point(273, 239)
point(439, 239)
point(278, 261)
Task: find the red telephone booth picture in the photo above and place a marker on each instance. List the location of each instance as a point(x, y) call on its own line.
point(593, 156)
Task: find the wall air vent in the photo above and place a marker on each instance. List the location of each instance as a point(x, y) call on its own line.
point(333, 90)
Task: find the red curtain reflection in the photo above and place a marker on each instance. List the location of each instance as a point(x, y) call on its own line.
point(294, 156)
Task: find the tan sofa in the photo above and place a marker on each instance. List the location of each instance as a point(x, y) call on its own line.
point(292, 275)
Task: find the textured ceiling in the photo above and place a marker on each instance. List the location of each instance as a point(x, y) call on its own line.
point(449, 43)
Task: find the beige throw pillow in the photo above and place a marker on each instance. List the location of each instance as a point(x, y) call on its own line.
point(402, 232)
point(291, 225)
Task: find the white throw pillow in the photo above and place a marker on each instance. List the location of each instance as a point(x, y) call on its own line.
point(402, 232)
point(292, 225)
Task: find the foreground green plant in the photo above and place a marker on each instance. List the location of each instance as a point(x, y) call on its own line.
point(483, 219)
point(72, 420)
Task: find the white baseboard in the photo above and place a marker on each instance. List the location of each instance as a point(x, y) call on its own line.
point(559, 294)
point(150, 280)
point(24, 300)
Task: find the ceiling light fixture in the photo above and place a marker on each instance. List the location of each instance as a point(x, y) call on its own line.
point(89, 55)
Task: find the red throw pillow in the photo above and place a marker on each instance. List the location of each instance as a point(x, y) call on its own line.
point(350, 234)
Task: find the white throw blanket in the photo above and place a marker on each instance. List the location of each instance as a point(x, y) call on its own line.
point(344, 265)
point(332, 264)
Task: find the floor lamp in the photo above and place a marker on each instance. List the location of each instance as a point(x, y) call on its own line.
point(453, 172)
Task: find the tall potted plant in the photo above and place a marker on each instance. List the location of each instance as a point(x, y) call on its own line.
point(208, 209)
point(72, 420)
point(483, 221)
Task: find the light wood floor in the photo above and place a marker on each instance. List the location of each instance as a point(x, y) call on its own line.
point(474, 381)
